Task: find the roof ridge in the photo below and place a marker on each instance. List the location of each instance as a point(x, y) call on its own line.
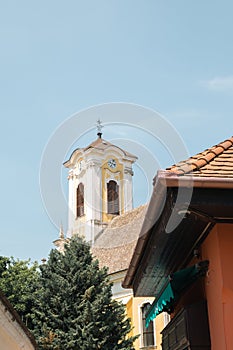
point(134, 213)
point(199, 160)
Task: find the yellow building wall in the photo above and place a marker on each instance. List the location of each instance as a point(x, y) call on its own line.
point(12, 337)
point(8, 342)
point(133, 307)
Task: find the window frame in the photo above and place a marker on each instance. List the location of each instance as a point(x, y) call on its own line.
point(80, 200)
point(113, 200)
point(146, 344)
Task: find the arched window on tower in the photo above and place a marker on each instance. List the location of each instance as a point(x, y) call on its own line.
point(113, 197)
point(148, 335)
point(80, 200)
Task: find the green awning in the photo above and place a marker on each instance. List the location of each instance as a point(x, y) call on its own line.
point(173, 287)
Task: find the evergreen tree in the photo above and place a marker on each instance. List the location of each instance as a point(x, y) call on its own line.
point(75, 309)
point(18, 281)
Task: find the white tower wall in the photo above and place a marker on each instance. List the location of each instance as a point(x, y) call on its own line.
point(92, 167)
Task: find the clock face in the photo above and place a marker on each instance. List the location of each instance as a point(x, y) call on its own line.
point(112, 163)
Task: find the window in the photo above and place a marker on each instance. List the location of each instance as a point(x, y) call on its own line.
point(80, 200)
point(147, 333)
point(113, 197)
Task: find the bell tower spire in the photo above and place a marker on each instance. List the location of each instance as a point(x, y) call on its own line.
point(100, 186)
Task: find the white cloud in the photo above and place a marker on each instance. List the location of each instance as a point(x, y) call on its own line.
point(219, 83)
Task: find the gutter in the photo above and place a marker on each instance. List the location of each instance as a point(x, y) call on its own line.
point(174, 180)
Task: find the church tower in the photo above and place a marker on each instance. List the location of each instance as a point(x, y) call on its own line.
point(100, 187)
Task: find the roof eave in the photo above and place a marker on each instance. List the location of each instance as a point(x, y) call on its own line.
point(163, 181)
point(175, 180)
point(153, 213)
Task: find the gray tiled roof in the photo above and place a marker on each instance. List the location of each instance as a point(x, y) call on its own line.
point(115, 247)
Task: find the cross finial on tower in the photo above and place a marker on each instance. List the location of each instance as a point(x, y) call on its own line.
point(99, 128)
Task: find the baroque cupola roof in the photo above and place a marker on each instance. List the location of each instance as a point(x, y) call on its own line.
point(101, 145)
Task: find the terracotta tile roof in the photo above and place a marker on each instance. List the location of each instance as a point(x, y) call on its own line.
point(216, 161)
point(115, 247)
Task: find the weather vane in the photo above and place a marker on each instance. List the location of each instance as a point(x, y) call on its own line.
point(99, 128)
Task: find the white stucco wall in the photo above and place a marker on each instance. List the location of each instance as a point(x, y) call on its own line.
point(12, 335)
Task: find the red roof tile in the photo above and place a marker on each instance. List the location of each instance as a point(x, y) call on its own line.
point(216, 161)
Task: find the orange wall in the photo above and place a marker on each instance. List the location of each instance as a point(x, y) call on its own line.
point(218, 249)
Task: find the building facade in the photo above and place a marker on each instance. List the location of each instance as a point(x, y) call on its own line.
point(14, 335)
point(184, 256)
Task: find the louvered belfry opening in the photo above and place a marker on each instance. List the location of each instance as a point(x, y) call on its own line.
point(113, 197)
point(80, 200)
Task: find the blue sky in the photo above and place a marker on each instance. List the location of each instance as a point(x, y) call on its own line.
point(57, 58)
